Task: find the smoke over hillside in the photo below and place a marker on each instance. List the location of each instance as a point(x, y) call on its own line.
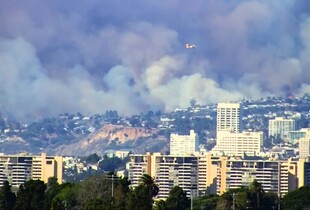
point(92, 56)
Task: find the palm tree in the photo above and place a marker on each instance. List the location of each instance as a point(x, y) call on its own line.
point(149, 182)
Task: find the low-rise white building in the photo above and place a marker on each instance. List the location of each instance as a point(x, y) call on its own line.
point(239, 144)
point(184, 144)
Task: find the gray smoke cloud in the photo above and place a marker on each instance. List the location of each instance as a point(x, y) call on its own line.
point(130, 56)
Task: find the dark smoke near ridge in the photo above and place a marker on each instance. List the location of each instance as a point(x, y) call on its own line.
point(130, 56)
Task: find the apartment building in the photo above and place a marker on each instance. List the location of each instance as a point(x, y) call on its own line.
point(294, 136)
point(276, 176)
point(206, 173)
point(44, 167)
point(17, 169)
point(138, 165)
point(230, 138)
point(239, 144)
point(280, 127)
point(184, 144)
point(304, 145)
point(168, 171)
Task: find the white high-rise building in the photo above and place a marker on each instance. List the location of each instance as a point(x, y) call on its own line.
point(183, 144)
point(229, 117)
point(304, 146)
point(239, 144)
point(230, 140)
point(280, 127)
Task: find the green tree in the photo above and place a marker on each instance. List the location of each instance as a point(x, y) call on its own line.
point(149, 182)
point(95, 190)
point(257, 189)
point(225, 201)
point(110, 164)
point(206, 202)
point(30, 195)
point(121, 192)
point(66, 198)
point(93, 158)
point(141, 198)
point(53, 188)
point(104, 191)
point(160, 205)
point(297, 199)
point(177, 199)
point(7, 197)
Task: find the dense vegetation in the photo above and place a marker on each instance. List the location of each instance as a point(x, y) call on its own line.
point(108, 192)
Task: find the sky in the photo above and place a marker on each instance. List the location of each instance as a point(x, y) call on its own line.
point(91, 56)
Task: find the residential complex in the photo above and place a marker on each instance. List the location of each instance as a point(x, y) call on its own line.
point(183, 144)
point(230, 138)
point(203, 172)
point(276, 176)
point(304, 146)
point(294, 136)
point(280, 127)
point(239, 144)
point(17, 169)
point(236, 160)
point(168, 170)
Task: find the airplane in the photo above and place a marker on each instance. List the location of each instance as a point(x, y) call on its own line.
point(190, 46)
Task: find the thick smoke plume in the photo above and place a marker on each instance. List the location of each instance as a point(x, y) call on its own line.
point(130, 56)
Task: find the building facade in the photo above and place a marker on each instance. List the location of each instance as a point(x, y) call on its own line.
point(168, 171)
point(184, 144)
point(229, 117)
point(18, 169)
point(239, 144)
point(304, 146)
point(280, 127)
point(276, 176)
point(294, 136)
point(206, 173)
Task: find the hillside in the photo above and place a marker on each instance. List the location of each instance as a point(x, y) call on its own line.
point(116, 137)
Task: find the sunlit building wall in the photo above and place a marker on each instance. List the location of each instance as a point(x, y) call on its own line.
point(17, 169)
point(280, 127)
point(184, 144)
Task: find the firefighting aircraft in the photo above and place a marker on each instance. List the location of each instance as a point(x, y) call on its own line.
point(190, 46)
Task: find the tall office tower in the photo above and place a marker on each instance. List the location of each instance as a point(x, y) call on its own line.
point(229, 117)
point(280, 127)
point(17, 169)
point(239, 144)
point(183, 144)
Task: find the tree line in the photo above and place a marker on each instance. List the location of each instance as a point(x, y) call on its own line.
point(109, 192)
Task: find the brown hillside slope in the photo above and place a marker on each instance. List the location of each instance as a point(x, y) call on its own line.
point(100, 140)
point(119, 133)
